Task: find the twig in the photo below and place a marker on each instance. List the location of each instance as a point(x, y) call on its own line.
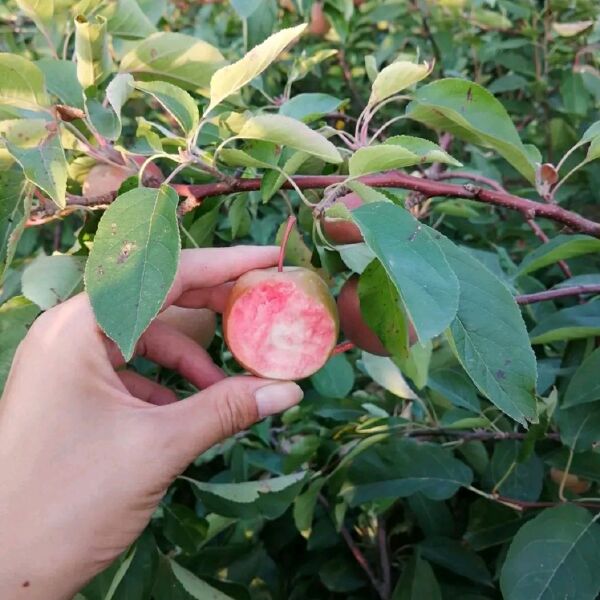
point(356, 553)
point(475, 435)
point(470, 177)
point(574, 290)
point(196, 193)
point(348, 77)
point(384, 558)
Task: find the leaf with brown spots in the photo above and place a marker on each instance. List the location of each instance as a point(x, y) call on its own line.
point(133, 263)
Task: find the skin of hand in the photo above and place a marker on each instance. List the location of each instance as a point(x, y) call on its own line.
point(87, 452)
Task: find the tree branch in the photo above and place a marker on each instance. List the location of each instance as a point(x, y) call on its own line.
point(196, 193)
point(574, 290)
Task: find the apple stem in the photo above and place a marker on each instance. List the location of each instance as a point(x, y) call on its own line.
point(343, 347)
point(284, 240)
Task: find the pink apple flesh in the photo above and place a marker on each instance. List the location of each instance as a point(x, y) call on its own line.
point(281, 325)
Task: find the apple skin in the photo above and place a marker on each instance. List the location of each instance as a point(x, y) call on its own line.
point(319, 23)
point(106, 178)
point(198, 323)
point(353, 325)
point(573, 483)
point(281, 325)
point(342, 231)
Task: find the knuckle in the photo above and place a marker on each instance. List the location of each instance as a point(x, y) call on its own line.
point(233, 413)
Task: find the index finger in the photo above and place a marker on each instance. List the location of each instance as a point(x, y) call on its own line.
point(210, 267)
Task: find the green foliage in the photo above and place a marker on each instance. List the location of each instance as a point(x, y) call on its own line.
point(425, 474)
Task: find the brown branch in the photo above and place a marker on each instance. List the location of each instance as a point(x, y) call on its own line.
point(356, 553)
point(427, 188)
point(483, 436)
point(471, 177)
point(573, 290)
point(384, 559)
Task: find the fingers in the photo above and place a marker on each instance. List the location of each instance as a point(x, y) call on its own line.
point(197, 323)
point(209, 267)
point(214, 298)
point(172, 349)
point(231, 405)
point(145, 389)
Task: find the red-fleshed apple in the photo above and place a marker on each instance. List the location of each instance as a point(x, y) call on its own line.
point(339, 230)
point(353, 325)
point(281, 324)
point(105, 178)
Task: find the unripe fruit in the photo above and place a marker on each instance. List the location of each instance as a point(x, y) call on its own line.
point(281, 324)
point(353, 325)
point(198, 323)
point(573, 483)
point(319, 23)
point(343, 231)
point(106, 178)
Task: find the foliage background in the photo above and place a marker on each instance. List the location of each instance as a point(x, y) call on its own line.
point(395, 478)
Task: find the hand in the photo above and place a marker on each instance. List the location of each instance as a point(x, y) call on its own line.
point(87, 452)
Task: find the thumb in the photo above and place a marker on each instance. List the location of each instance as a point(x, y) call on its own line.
point(225, 408)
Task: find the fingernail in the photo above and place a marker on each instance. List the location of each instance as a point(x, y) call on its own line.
point(276, 398)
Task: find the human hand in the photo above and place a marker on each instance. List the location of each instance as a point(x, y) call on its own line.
point(87, 452)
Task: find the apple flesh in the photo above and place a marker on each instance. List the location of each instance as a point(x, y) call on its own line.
point(353, 325)
point(281, 325)
point(343, 231)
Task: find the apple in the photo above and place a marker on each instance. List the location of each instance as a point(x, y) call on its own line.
point(105, 178)
point(353, 325)
point(281, 324)
point(573, 483)
point(340, 230)
point(319, 23)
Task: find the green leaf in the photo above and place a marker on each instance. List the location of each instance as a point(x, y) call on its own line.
point(177, 58)
point(273, 180)
point(335, 379)
point(49, 280)
point(176, 101)
point(571, 323)
point(304, 506)
point(174, 582)
point(230, 79)
point(576, 99)
point(39, 11)
point(309, 107)
point(490, 339)
point(414, 262)
point(470, 112)
point(584, 387)
point(133, 263)
point(396, 153)
point(239, 217)
point(490, 524)
point(417, 582)
point(559, 248)
point(387, 374)
point(135, 576)
point(269, 498)
point(452, 555)
point(555, 555)
point(91, 48)
point(244, 8)
point(15, 205)
point(23, 84)
point(127, 20)
point(61, 80)
point(289, 132)
point(397, 77)
point(455, 387)
point(401, 467)
point(526, 476)
point(45, 166)
point(16, 316)
point(434, 518)
point(382, 310)
point(118, 91)
point(341, 575)
point(579, 426)
point(184, 528)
